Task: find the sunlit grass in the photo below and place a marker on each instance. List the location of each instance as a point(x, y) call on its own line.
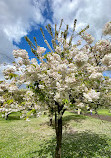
point(83, 137)
point(104, 112)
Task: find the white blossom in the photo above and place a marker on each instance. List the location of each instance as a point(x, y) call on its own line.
point(12, 88)
point(87, 37)
point(81, 58)
point(27, 119)
point(2, 99)
point(41, 50)
point(106, 60)
point(58, 49)
point(57, 96)
point(107, 29)
point(80, 105)
point(92, 95)
point(95, 75)
point(103, 46)
point(41, 86)
point(20, 53)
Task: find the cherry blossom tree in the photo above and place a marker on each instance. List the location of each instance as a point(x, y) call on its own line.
point(13, 99)
point(71, 76)
point(9, 95)
point(68, 76)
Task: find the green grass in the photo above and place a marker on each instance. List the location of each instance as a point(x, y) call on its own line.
point(104, 112)
point(83, 137)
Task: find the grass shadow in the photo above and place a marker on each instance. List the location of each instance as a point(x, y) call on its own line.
point(74, 117)
point(66, 120)
point(12, 116)
point(76, 145)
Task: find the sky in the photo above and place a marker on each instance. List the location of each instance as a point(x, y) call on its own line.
point(19, 18)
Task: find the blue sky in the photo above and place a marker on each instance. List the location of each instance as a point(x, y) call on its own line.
point(19, 18)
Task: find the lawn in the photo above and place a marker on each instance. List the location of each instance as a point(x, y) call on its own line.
point(104, 112)
point(83, 137)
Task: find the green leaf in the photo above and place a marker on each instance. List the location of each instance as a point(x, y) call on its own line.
point(11, 75)
point(23, 103)
point(9, 101)
point(65, 101)
point(34, 65)
point(29, 113)
point(1, 82)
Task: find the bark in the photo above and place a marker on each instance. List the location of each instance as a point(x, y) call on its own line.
point(79, 111)
point(50, 122)
point(6, 116)
point(51, 113)
point(58, 128)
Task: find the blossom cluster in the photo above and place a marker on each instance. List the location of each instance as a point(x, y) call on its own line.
point(4, 86)
point(81, 58)
point(20, 53)
point(41, 50)
point(103, 46)
point(95, 75)
point(92, 95)
point(23, 55)
point(107, 29)
point(87, 37)
point(106, 60)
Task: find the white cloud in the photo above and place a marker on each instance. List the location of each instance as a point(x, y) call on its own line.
point(95, 13)
point(6, 47)
point(1, 74)
point(16, 19)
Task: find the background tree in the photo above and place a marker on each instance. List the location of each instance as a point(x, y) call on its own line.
point(14, 99)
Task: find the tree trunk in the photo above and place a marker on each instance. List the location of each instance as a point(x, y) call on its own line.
point(79, 111)
point(58, 128)
point(51, 113)
point(50, 123)
point(6, 116)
